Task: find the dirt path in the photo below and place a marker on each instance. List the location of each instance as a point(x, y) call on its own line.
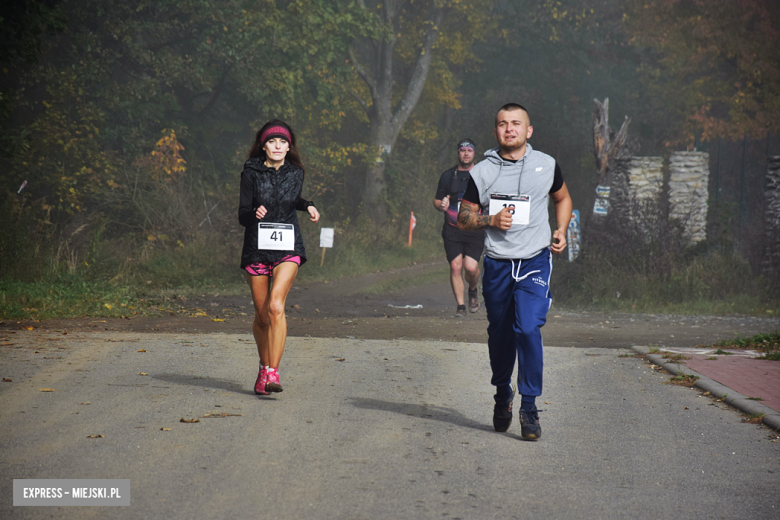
point(368, 307)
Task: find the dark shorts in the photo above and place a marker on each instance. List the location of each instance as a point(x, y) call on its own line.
point(466, 243)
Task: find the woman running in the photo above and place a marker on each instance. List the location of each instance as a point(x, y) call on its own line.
point(271, 185)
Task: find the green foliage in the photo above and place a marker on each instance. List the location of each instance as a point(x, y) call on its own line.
point(762, 342)
point(122, 72)
point(24, 25)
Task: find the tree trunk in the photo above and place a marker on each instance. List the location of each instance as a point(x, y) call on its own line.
point(385, 120)
point(607, 148)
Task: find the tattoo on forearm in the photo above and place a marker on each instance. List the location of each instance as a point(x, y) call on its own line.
point(469, 218)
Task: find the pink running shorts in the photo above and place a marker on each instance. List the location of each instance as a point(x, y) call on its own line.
point(261, 269)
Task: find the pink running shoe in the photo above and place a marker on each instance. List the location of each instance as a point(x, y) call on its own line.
point(273, 384)
point(262, 379)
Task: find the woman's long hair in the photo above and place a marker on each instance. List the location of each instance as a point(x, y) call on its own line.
point(293, 155)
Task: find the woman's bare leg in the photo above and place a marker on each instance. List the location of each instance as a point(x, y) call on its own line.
point(284, 275)
point(261, 326)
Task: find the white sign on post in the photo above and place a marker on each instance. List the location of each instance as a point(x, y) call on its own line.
point(326, 237)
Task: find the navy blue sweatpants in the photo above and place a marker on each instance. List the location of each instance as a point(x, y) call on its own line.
point(517, 298)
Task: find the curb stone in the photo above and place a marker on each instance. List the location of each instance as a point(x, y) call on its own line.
point(771, 417)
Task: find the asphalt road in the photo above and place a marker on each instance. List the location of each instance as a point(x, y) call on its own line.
point(368, 429)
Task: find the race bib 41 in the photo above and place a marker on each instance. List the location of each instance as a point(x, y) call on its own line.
point(276, 237)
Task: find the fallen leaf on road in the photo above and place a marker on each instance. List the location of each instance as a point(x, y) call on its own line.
point(340, 359)
point(142, 374)
point(96, 436)
point(223, 415)
point(86, 403)
point(142, 350)
point(166, 429)
point(217, 319)
point(548, 402)
point(47, 390)
point(189, 420)
point(6, 380)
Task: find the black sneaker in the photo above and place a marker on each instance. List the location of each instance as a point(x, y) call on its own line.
point(473, 300)
point(460, 312)
point(502, 414)
point(530, 429)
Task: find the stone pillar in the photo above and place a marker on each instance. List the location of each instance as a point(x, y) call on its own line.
point(771, 262)
point(689, 174)
point(645, 178)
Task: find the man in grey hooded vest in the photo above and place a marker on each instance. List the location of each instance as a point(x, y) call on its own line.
point(512, 188)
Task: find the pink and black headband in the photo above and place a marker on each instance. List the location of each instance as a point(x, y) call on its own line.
point(467, 143)
point(275, 131)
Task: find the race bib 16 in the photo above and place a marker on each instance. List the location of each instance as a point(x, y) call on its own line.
point(519, 206)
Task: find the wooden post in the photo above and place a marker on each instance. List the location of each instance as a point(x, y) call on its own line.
point(322, 262)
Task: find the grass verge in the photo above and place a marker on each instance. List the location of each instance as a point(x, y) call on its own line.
point(767, 343)
point(151, 284)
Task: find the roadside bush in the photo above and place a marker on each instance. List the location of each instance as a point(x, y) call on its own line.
point(644, 263)
point(24, 236)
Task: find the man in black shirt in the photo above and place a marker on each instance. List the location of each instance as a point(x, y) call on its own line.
point(463, 248)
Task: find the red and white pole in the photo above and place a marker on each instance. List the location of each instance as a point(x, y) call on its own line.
point(412, 224)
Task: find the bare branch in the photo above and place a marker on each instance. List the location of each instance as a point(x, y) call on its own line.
point(358, 99)
point(622, 135)
point(362, 73)
point(417, 82)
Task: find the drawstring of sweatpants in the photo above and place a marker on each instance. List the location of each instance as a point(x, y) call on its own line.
point(516, 275)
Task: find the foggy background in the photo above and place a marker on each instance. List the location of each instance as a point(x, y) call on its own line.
point(130, 122)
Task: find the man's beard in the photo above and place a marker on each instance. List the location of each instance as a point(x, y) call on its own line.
point(513, 147)
point(466, 164)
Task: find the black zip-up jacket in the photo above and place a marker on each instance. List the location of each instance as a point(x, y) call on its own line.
point(280, 192)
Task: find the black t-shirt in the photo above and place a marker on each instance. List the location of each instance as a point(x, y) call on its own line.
point(472, 193)
point(453, 182)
